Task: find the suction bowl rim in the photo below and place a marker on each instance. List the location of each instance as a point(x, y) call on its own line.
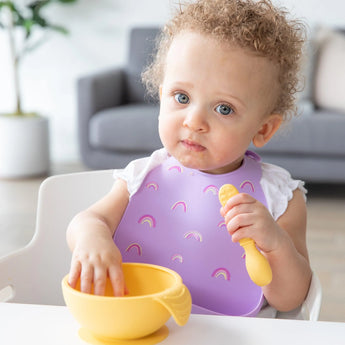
point(177, 281)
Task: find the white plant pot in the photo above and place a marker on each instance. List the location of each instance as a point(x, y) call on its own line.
point(24, 146)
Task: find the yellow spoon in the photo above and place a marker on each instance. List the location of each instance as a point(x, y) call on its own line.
point(258, 268)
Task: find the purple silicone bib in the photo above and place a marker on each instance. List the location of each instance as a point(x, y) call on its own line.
point(174, 221)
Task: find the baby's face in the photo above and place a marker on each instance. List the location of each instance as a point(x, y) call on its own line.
point(214, 99)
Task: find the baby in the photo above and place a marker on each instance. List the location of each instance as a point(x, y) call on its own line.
point(226, 74)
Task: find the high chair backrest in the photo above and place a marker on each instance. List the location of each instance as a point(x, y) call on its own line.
point(33, 274)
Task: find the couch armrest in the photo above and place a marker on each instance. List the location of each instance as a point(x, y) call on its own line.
point(101, 90)
point(95, 92)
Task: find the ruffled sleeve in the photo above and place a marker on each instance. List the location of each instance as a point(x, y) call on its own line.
point(278, 186)
point(136, 171)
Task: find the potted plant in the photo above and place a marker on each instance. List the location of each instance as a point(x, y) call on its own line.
point(24, 136)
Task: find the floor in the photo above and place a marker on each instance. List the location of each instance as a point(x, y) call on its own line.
point(326, 244)
point(326, 231)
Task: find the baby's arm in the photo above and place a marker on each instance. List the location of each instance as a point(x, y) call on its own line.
point(282, 242)
point(90, 237)
point(289, 260)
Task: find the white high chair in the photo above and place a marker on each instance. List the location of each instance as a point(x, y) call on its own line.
point(33, 274)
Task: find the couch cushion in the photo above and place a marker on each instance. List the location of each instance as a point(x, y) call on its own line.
point(126, 128)
point(319, 133)
point(329, 79)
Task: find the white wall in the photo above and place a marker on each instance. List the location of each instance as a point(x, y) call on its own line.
point(97, 40)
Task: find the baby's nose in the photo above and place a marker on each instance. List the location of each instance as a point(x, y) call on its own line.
point(196, 120)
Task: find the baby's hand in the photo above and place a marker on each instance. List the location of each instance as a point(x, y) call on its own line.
point(94, 258)
point(245, 217)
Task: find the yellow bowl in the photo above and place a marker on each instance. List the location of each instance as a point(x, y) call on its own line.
point(155, 294)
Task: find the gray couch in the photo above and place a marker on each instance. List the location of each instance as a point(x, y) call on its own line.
point(116, 121)
point(117, 124)
point(311, 147)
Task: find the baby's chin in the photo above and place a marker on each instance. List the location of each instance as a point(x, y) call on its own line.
point(203, 162)
point(190, 161)
point(197, 165)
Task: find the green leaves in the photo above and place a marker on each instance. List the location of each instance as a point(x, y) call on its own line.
point(25, 18)
point(66, 1)
point(30, 16)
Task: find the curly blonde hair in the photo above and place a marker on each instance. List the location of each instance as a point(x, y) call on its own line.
point(257, 26)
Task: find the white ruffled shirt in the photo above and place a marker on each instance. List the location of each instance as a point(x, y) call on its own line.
point(276, 182)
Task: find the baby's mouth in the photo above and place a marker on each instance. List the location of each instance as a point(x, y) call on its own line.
point(192, 146)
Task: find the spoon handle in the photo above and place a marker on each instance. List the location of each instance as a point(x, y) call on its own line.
point(258, 268)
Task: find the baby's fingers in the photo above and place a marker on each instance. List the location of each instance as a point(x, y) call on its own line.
point(117, 280)
point(74, 273)
point(100, 281)
point(86, 278)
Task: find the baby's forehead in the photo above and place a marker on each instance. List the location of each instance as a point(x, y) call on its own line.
point(184, 39)
point(194, 58)
point(222, 41)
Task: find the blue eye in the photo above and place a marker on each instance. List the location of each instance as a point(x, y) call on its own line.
point(182, 98)
point(224, 109)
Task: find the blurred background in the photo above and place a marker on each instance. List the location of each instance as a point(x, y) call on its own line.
point(98, 40)
point(98, 32)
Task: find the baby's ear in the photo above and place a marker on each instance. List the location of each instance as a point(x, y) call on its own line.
point(267, 130)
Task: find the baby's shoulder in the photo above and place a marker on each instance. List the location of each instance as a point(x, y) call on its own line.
point(278, 186)
point(135, 172)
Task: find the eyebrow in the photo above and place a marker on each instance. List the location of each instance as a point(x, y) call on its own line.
point(227, 95)
point(182, 84)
